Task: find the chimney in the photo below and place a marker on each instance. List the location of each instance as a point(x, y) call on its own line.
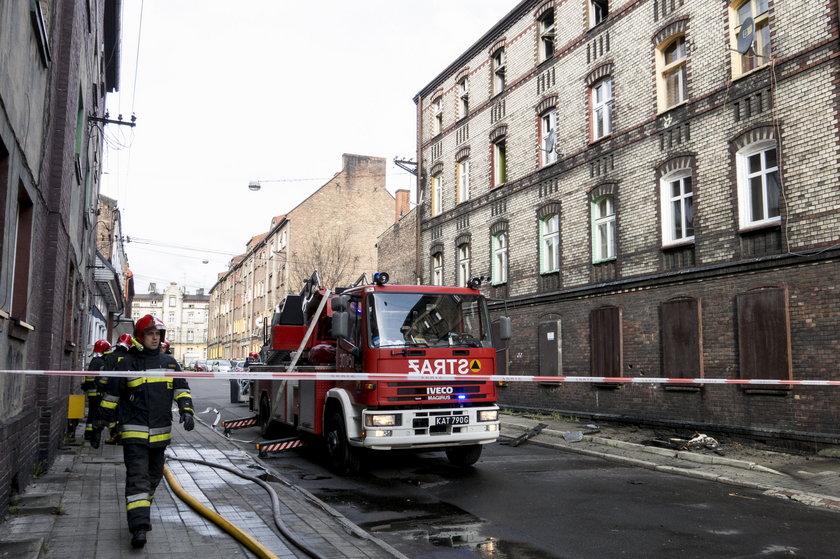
point(152, 288)
point(402, 203)
point(199, 291)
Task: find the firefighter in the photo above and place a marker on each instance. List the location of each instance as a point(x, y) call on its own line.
point(94, 387)
point(164, 347)
point(118, 352)
point(144, 405)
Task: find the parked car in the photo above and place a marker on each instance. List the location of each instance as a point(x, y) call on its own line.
point(238, 387)
point(220, 366)
point(191, 365)
point(201, 366)
point(237, 366)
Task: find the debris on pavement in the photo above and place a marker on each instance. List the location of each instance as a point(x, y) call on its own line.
point(533, 431)
point(573, 436)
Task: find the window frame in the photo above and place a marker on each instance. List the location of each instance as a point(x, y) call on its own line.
point(437, 115)
point(601, 111)
point(545, 35)
point(666, 200)
point(437, 195)
point(598, 12)
point(499, 258)
point(761, 20)
point(665, 68)
point(745, 201)
point(437, 268)
point(500, 169)
point(464, 256)
point(549, 237)
point(464, 97)
point(548, 124)
point(597, 221)
point(462, 180)
point(499, 69)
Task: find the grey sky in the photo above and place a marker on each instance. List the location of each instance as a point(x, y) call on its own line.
point(226, 93)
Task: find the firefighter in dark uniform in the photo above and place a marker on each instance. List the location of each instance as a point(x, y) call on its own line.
point(94, 386)
point(119, 351)
point(144, 405)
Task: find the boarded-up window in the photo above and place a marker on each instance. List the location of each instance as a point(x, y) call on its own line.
point(764, 334)
point(605, 324)
point(682, 343)
point(550, 348)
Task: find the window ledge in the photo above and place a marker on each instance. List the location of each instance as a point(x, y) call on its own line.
point(601, 139)
point(20, 329)
point(679, 244)
point(750, 72)
point(549, 272)
point(759, 226)
point(606, 261)
point(663, 112)
point(4, 315)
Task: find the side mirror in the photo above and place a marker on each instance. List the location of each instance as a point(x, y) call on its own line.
point(505, 328)
point(340, 303)
point(340, 324)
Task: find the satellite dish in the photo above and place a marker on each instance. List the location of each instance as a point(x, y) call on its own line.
point(746, 35)
point(550, 142)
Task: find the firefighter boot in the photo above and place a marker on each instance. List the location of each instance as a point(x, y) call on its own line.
point(138, 538)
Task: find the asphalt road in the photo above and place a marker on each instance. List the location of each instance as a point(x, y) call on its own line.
point(530, 502)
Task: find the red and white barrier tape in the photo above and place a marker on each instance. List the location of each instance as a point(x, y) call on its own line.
point(387, 377)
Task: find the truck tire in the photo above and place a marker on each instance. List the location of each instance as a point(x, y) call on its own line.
point(463, 456)
point(267, 427)
point(343, 458)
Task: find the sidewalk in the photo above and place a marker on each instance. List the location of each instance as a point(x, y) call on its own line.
point(77, 509)
point(812, 479)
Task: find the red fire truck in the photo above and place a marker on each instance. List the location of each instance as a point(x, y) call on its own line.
point(379, 328)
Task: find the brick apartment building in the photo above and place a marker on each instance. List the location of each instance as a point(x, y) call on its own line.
point(334, 230)
point(185, 315)
point(59, 59)
point(652, 199)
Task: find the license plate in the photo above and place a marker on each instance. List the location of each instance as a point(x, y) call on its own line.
point(452, 420)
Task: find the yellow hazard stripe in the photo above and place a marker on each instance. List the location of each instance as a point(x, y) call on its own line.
point(109, 405)
point(143, 380)
point(183, 395)
point(158, 438)
point(138, 504)
point(134, 435)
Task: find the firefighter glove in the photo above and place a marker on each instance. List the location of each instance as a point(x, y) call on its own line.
point(188, 421)
point(99, 424)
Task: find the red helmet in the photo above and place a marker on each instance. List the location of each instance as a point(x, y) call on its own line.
point(125, 341)
point(149, 322)
point(164, 346)
point(254, 355)
point(100, 347)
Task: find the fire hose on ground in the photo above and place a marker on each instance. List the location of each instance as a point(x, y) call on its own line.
point(241, 536)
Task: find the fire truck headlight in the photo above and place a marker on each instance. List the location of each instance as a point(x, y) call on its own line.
point(389, 420)
point(488, 415)
point(379, 433)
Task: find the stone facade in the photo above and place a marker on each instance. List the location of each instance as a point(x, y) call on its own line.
point(185, 315)
point(334, 230)
point(57, 62)
point(397, 246)
point(650, 203)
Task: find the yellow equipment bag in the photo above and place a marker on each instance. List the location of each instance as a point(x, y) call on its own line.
point(76, 406)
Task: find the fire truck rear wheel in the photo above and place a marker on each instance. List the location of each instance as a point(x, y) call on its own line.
point(343, 458)
point(267, 428)
point(464, 456)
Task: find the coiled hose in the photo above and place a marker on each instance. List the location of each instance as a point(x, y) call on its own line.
point(275, 507)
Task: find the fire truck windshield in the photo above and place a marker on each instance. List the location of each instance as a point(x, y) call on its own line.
point(428, 320)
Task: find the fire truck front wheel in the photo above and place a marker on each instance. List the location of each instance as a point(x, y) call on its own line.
point(343, 458)
point(463, 456)
point(268, 429)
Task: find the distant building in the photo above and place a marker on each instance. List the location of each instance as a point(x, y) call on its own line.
point(111, 309)
point(397, 246)
point(185, 315)
point(59, 60)
point(652, 187)
point(334, 230)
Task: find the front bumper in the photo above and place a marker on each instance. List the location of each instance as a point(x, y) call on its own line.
point(418, 429)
